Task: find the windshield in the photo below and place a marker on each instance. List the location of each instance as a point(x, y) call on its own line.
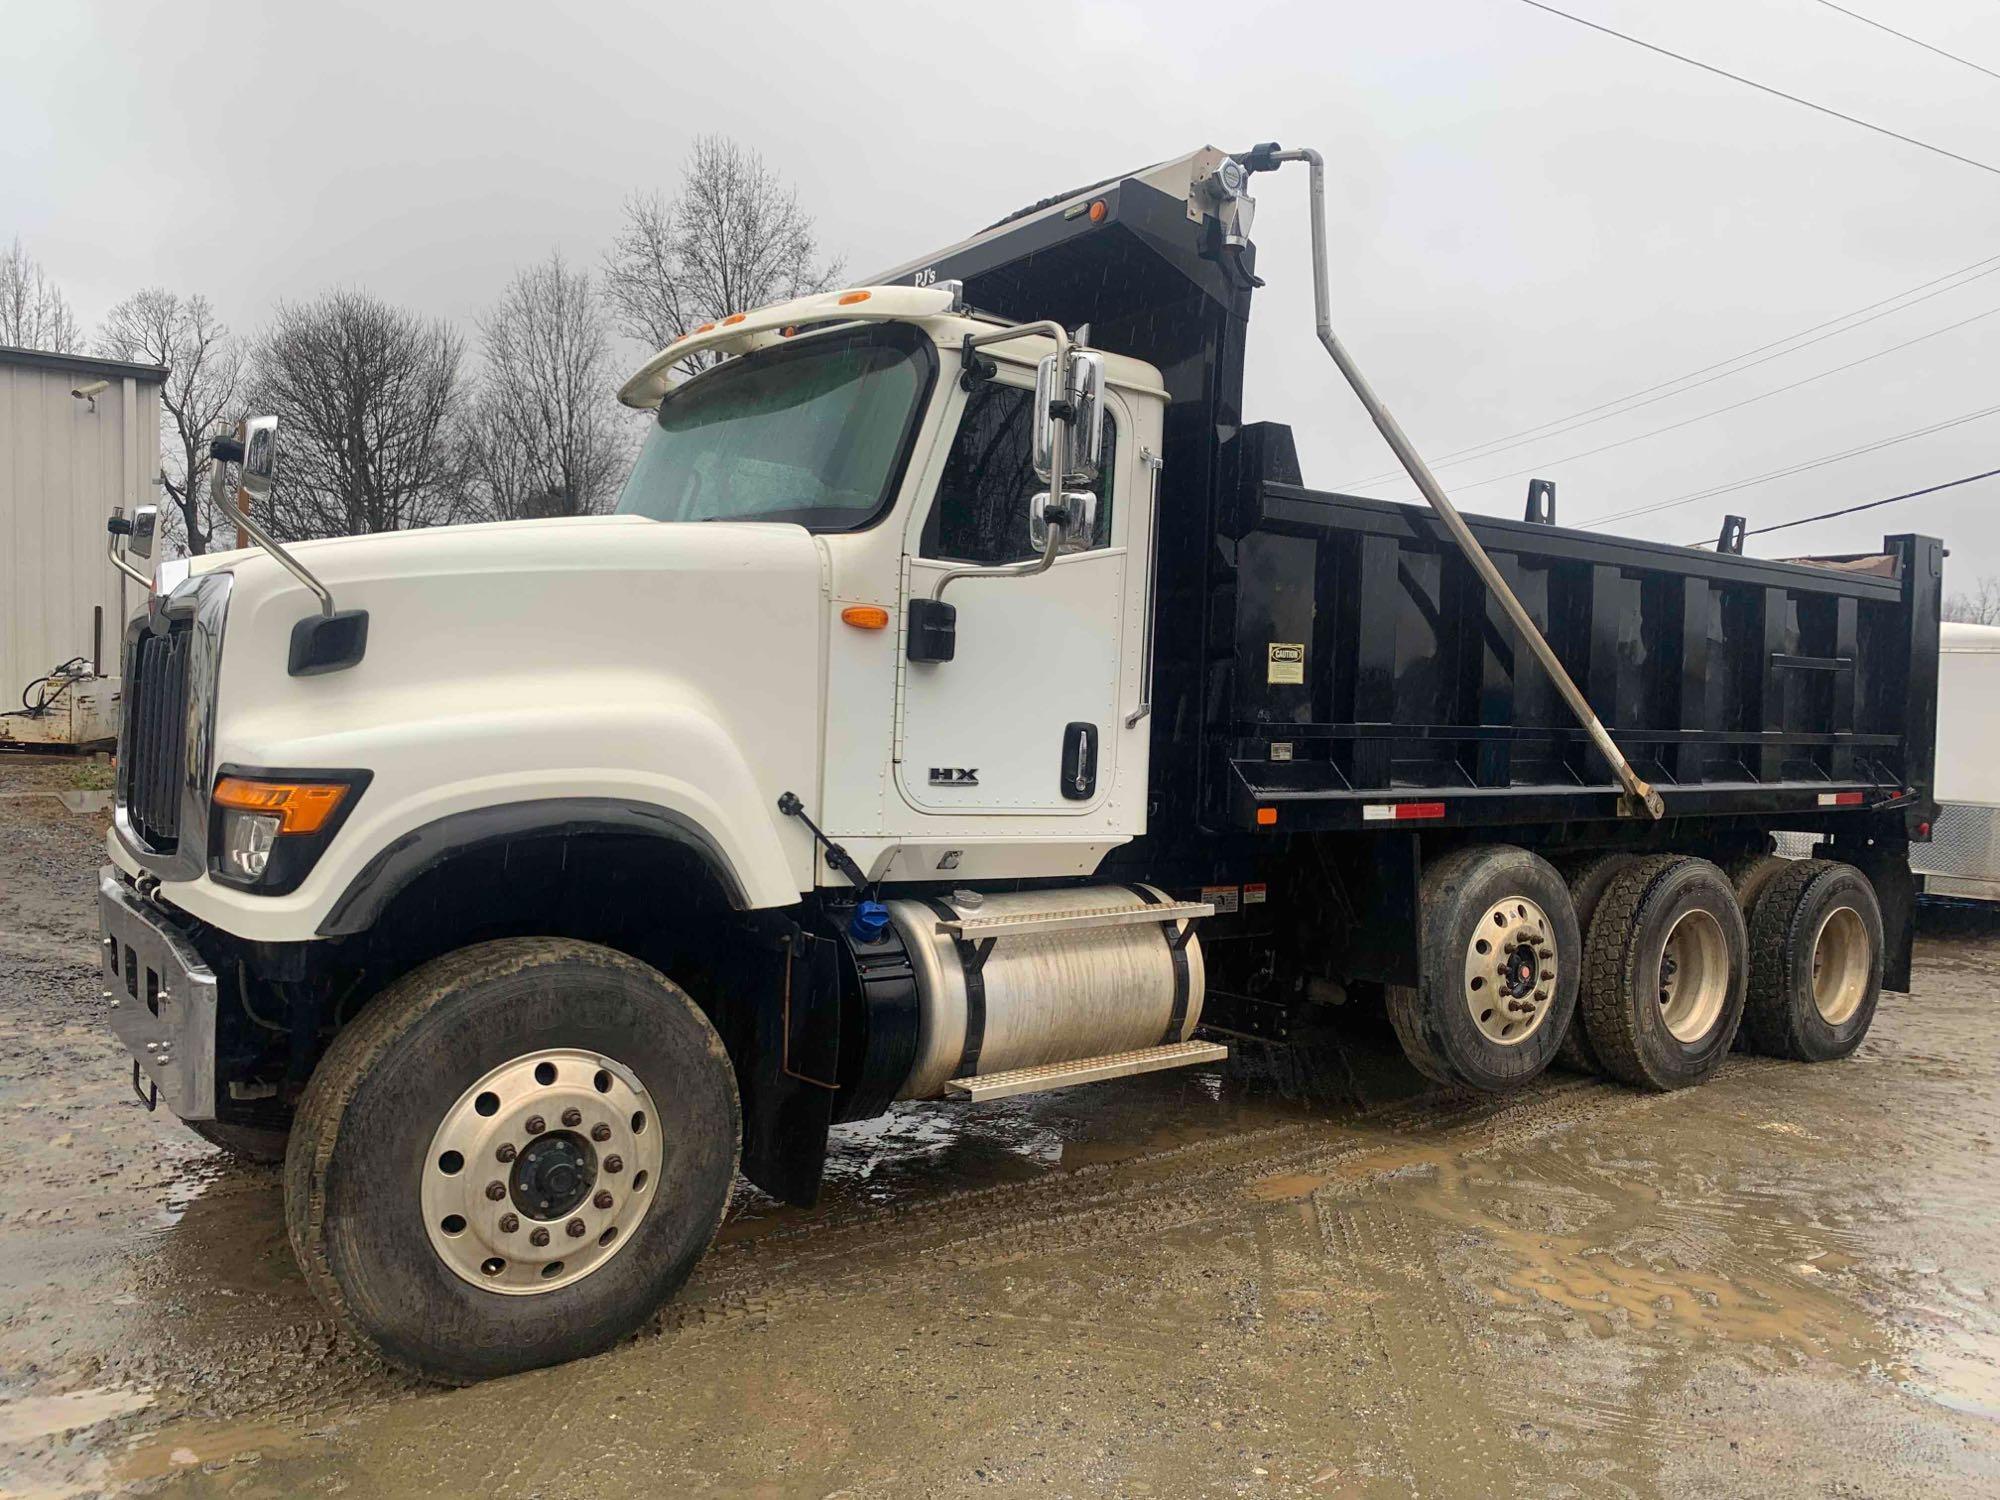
point(814, 432)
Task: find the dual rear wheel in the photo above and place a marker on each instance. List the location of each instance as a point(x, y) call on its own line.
point(1640, 967)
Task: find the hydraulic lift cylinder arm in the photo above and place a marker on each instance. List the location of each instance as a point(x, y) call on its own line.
point(1639, 796)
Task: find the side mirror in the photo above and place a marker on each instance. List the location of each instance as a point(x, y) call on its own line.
point(1081, 393)
point(253, 449)
point(1077, 513)
point(145, 521)
point(260, 457)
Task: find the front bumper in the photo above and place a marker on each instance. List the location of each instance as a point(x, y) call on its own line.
point(162, 998)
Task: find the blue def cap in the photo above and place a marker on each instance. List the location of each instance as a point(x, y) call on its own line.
point(870, 921)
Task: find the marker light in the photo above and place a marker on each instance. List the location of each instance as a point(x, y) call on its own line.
point(297, 806)
point(1097, 211)
point(865, 616)
point(848, 299)
point(733, 319)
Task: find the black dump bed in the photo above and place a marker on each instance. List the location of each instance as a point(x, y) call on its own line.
point(1326, 661)
point(1368, 673)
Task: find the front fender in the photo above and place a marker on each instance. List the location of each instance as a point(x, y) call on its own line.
point(667, 768)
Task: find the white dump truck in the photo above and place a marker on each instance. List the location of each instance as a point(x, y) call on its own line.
point(962, 700)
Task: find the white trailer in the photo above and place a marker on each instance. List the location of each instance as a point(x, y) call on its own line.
point(1963, 856)
point(78, 437)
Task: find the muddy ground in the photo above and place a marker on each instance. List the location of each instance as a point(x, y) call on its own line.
point(1781, 1283)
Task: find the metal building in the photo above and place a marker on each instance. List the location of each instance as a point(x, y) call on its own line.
point(77, 437)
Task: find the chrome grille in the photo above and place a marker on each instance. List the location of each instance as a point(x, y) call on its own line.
point(154, 766)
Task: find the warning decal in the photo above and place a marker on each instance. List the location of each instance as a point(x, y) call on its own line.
point(1288, 662)
point(1221, 897)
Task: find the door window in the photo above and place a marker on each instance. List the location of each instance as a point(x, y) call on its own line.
point(980, 515)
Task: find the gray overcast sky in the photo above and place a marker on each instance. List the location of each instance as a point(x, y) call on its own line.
point(1528, 218)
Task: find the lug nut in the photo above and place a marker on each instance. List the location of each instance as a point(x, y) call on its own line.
point(572, 1118)
point(539, 1238)
point(600, 1132)
point(508, 1223)
point(602, 1200)
point(574, 1228)
point(614, 1163)
point(496, 1190)
point(536, 1125)
point(506, 1151)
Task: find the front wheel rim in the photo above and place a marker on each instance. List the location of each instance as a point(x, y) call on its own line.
point(1840, 965)
point(1510, 978)
point(1694, 976)
point(540, 1172)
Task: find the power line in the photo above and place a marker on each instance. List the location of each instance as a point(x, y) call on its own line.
point(1908, 140)
point(1869, 21)
point(1848, 510)
point(1799, 468)
point(1732, 406)
point(1556, 426)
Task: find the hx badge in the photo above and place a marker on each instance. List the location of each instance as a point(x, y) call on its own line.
point(1288, 662)
point(954, 776)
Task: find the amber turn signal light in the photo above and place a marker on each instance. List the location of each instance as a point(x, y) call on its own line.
point(865, 616)
point(301, 806)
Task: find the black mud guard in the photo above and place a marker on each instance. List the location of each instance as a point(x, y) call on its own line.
point(786, 1048)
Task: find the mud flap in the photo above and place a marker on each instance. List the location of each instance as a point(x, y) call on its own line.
point(787, 1053)
point(1886, 863)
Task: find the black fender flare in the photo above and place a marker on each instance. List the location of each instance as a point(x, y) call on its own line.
point(429, 845)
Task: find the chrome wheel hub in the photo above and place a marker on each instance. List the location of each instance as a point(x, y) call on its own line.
point(540, 1172)
point(1510, 971)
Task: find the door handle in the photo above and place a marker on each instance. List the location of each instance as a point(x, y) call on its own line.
point(1152, 461)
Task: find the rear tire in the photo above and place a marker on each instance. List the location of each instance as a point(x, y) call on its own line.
point(1664, 972)
point(1750, 873)
point(1499, 908)
point(1815, 963)
point(1589, 878)
point(390, 1229)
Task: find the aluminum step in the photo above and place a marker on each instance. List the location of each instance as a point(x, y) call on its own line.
point(1085, 1070)
point(972, 929)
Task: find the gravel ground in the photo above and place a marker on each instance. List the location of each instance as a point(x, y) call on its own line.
point(1780, 1283)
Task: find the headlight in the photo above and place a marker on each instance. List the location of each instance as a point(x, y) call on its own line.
point(247, 841)
point(270, 827)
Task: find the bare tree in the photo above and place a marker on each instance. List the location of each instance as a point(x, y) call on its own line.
point(204, 368)
point(545, 437)
point(370, 400)
point(1980, 607)
point(33, 313)
point(734, 238)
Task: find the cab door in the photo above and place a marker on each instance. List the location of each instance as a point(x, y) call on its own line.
point(1025, 718)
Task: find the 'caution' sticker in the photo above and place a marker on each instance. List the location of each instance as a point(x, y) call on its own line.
point(1221, 897)
point(1288, 662)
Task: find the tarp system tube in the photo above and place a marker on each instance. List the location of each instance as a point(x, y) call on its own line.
point(1639, 797)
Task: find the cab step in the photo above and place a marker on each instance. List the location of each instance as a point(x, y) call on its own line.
point(971, 929)
point(1085, 1070)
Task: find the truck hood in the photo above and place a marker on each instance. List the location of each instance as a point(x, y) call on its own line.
point(611, 656)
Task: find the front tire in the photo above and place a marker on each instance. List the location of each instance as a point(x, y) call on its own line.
point(1497, 956)
point(525, 1066)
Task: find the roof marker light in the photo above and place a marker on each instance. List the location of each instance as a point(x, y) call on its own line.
point(848, 299)
point(733, 319)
